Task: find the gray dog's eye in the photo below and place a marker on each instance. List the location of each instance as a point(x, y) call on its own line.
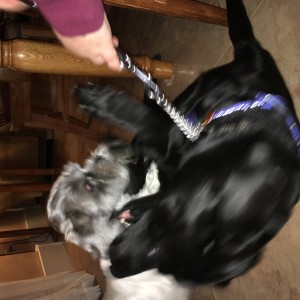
point(98, 157)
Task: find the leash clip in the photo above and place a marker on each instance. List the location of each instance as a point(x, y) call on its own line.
point(30, 3)
point(125, 60)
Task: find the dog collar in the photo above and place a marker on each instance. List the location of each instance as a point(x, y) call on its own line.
point(262, 101)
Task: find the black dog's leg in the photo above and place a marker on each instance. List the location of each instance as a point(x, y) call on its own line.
point(149, 124)
point(240, 28)
point(253, 58)
point(115, 106)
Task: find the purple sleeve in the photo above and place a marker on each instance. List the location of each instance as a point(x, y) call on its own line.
point(73, 17)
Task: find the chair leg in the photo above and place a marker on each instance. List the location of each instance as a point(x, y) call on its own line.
point(20, 98)
point(18, 30)
point(38, 57)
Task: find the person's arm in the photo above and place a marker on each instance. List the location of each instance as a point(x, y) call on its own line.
point(82, 27)
point(98, 46)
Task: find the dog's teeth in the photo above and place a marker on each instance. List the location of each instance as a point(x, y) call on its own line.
point(124, 222)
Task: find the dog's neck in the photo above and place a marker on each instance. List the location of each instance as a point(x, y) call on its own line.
point(151, 186)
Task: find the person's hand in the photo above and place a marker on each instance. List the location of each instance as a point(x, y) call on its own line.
point(98, 46)
point(13, 5)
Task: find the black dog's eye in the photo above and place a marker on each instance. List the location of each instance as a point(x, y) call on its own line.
point(153, 251)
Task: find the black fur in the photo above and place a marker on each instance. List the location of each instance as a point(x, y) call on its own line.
point(224, 196)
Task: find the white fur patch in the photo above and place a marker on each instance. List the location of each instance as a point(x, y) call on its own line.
point(150, 187)
point(148, 285)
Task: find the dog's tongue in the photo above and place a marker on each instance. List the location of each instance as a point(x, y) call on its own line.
point(125, 215)
point(125, 218)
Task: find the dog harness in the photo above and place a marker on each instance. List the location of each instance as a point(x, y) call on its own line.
point(262, 101)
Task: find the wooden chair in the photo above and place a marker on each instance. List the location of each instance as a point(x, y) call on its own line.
point(21, 57)
point(28, 187)
point(12, 29)
point(18, 186)
point(24, 171)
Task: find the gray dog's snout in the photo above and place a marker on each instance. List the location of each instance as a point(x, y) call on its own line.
point(55, 224)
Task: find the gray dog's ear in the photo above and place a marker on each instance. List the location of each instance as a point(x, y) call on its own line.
point(59, 190)
point(117, 151)
point(70, 167)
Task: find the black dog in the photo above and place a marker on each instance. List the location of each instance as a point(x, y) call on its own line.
point(224, 196)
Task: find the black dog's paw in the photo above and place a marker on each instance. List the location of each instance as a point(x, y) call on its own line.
point(112, 105)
